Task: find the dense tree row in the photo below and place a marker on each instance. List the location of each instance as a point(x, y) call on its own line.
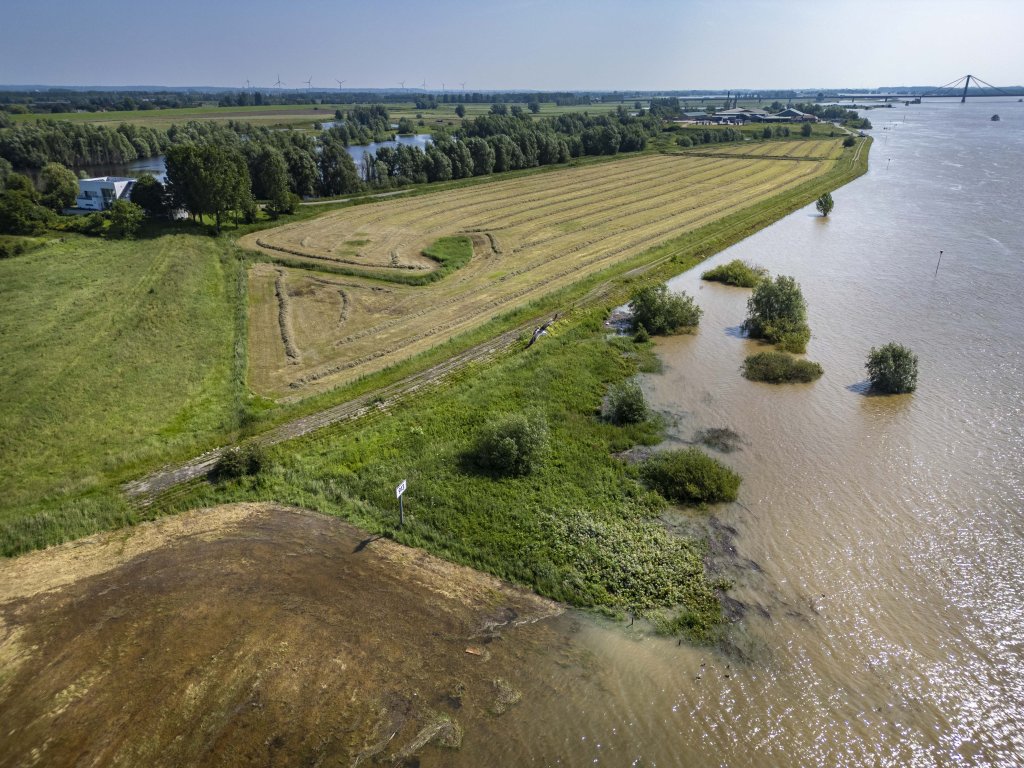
point(33, 145)
point(59, 100)
point(508, 140)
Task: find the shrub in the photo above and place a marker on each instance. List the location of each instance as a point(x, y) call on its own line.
point(514, 444)
point(125, 219)
point(892, 369)
point(661, 312)
point(641, 336)
point(626, 404)
point(738, 273)
point(777, 312)
point(849, 141)
point(780, 368)
point(248, 459)
point(690, 476)
point(805, 130)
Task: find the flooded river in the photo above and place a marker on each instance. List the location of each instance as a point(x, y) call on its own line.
point(887, 620)
point(878, 547)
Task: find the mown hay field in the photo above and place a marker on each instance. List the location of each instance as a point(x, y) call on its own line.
point(814, 149)
point(336, 304)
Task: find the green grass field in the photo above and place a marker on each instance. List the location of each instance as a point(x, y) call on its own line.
point(113, 356)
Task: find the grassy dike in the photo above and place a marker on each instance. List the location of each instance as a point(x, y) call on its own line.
point(96, 440)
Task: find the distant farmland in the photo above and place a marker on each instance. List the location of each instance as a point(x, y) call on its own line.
point(312, 326)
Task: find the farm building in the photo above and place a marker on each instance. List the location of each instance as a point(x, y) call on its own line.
point(796, 116)
point(99, 193)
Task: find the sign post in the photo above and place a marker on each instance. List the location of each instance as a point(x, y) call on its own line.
point(401, 507)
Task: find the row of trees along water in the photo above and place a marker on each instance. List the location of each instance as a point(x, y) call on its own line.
point(216, 168)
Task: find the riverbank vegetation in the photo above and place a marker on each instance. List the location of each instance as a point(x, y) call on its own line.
point(659, 312)
point(690, 476)
point(777, 313)
point(780, 368)
point(738, 273)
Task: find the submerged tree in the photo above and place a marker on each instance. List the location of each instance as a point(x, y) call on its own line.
point(777, 312)
point(825, 204)
point(892, 369)
point(661, 312)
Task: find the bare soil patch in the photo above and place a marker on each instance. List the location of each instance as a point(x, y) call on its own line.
point(253, 634)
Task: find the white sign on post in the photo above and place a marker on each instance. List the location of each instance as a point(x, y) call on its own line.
point(400, 490)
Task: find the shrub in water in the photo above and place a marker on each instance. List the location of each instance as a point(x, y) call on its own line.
point(892, 369)
point(777, 312)
point(661, 312)
point(690, 476)
point(778, 368)
point(512, 445)
point(738, 273)
point(626, 404)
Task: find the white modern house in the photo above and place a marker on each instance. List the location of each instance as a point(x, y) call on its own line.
point(99, 193)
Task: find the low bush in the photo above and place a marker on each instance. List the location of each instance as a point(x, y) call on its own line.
point(690, 476)
point(626, 404)
point(661, 312)
point(892, 369)
point(248, 459)
point(780, 368)
point(514, 444)
point(736, 272)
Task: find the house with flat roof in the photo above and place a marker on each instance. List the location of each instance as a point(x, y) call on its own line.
point(99, 194)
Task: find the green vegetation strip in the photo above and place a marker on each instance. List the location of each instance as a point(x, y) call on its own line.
point(780, 368)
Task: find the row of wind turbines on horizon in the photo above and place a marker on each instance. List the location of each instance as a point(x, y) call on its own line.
point(279, 84)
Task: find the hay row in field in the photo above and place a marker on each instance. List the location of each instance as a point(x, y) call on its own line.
point(554, 229)
point(284, 319)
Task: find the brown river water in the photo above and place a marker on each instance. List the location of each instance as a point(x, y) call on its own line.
point(880, 540)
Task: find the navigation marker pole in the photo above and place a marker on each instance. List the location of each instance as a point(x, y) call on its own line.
point(937, 265)
point(401, 507)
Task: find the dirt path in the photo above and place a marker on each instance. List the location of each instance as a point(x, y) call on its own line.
point(253, 634)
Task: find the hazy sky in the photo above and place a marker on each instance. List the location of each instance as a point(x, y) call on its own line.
point(543, 44)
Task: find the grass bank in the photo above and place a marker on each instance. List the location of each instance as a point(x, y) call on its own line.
point(581, 528)
point(114, 356)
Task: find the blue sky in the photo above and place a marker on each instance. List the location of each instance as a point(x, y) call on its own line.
point(543, 44)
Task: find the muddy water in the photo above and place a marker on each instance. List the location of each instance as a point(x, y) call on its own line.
point(880, 540)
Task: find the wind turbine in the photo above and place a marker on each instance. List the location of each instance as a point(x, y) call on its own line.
point(442, 86)
point(278, 84)
point(309, 83)
point(402, 84)
point(463, 87)
point(340, 82)
point(424, 86)
point(247, 84)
